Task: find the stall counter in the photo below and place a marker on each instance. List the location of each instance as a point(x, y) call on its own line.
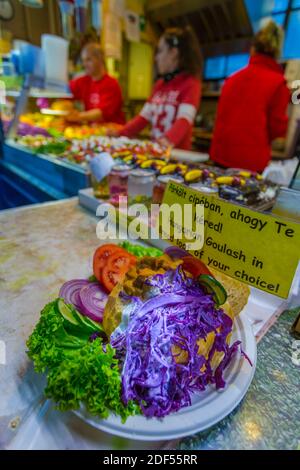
point(44, 245)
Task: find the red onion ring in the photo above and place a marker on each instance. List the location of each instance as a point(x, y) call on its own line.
point(69, 291)
point(93, 299)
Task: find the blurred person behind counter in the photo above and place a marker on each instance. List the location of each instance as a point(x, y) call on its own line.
point(173, 105)
point(252, 110)
point(100, 93)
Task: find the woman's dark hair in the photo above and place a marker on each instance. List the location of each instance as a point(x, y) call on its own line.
point(190, 55)
point(269, 40)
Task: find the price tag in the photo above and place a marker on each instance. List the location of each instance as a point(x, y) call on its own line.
point(101, 165)
point(258, 249)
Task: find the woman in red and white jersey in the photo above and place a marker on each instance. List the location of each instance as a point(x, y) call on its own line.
point(173, 105)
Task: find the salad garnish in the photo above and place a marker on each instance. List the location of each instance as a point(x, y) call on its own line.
point(143, 334)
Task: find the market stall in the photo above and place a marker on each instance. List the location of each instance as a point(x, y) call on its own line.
point(149, 284)
point(42, 109)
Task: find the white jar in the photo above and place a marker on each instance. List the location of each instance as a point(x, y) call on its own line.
point(140, 183)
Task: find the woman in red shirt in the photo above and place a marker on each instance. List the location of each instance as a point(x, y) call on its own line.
point(252, 111)
point(100, 93)
point(173, 105)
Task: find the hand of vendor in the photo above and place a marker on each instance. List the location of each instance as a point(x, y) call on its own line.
point(93, 115)
point(113, 132)
point(165, 142)
point(74, 116)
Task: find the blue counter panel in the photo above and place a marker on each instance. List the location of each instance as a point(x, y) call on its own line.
point(62, 176)
point(18, 188)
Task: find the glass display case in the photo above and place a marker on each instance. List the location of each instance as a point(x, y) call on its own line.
point(32, 175)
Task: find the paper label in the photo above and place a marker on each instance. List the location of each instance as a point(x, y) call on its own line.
point(258, 249)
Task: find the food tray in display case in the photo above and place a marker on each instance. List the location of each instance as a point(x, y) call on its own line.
point(64, 178)
point(189, 156)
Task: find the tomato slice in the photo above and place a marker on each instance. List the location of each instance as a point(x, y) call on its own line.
point(194, 266)
point(101, 256)
point(111, 277)
point(121, 261)
point(110, 264)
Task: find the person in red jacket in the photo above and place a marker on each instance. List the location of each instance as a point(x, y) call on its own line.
point(252, 111)
point(173, 105)
point(100, 93)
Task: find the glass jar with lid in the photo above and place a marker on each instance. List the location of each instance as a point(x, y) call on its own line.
point(100, 188)
point(161, 184)
point(140, 185)
point(209, 190)
point(100, 167)
point(118, 181)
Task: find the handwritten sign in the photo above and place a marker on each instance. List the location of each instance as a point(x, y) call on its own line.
point(258, 249)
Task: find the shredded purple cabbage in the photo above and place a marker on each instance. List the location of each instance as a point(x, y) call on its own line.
point(179, 315)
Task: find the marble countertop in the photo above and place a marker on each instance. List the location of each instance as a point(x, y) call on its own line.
point(44, 245)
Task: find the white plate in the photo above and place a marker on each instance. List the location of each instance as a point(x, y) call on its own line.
point(207, 409)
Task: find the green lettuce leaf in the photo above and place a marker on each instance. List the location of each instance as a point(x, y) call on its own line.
point(50, 343)
point(90, 376)
point(79, 371)
point(140, 251)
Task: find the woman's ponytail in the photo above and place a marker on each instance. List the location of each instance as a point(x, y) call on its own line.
point(269, 40)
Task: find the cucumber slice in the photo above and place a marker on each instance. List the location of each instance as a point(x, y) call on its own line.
point(212, 286)
point(94, 325)
point(91, 324)
point(79, 331)
point(66, 312)
point(78, 316)
point(86, 322)
point(66, 336)
point(73, 317)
